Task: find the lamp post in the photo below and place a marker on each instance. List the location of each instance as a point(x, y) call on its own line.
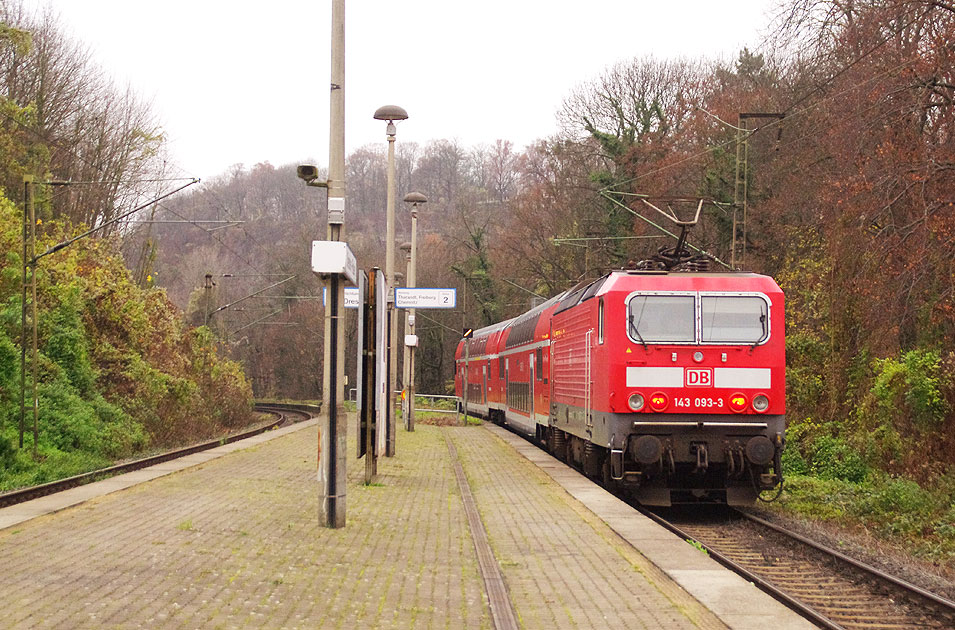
point(405, 358)
point(391, 113)
point(414, 198)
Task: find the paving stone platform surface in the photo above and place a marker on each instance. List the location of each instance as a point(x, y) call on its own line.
point(234, 542)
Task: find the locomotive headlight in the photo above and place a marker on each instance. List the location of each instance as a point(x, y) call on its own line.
point(698, 356)
point(760, 403)
point(636, 401)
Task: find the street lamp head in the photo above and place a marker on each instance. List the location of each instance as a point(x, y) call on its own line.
point(391, 113)
point(415, 198)
point(406, 248)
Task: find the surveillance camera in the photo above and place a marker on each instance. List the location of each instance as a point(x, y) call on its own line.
point(307, 172)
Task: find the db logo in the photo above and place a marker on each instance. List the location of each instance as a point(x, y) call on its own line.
point(699, 377)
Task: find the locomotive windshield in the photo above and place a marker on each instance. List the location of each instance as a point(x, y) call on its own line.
point(734, 319)
point(663, 318)
point(698, 318)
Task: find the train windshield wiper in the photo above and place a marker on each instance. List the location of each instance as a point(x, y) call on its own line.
point(633, 328)
point(762, 323)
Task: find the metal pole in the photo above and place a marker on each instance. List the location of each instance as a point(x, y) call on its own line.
point(207, 296)
point(332, 441)
point(36, 405)
point(27, 181)
point(466, 370)
point(406, 355)
point(412, 270)
point(736, 193)
point(369, 363)
point(390, 279)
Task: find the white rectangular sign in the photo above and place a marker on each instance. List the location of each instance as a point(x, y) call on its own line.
point(381, 371)
point(352, 298)
point(425, 298)
point(334, 257)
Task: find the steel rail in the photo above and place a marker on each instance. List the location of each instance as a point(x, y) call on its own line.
point(912, 589)
point(765, 586)
point(503, 615)
point(34, 492)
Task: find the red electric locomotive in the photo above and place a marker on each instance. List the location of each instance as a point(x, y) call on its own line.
point(670, 384)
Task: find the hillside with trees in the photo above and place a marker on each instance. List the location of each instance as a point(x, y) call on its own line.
point(118, 370)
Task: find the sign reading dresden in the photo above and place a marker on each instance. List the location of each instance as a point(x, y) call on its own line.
point(425, 298)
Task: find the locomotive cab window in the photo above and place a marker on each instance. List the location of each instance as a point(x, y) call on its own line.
point(720, 318)
point(662, 318)
point(734, 319)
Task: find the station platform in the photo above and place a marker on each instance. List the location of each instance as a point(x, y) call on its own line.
point(230, 539)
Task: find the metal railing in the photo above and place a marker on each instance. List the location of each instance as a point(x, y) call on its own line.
point(432, 398)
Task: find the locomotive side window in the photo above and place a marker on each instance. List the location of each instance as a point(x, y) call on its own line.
point(662, 318)
point(734, 319)
point(600, 322)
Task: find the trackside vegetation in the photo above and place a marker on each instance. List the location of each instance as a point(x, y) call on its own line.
point(118, 370)
point(883, 469)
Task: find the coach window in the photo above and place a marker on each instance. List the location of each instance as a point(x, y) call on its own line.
point(662, 318)
point(734, 319)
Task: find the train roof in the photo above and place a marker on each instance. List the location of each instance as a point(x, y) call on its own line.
point(633, 280)
point(493, 328)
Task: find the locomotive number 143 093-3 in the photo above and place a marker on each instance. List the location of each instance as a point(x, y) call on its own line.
point(698, 402)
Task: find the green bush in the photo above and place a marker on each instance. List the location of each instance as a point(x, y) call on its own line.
point(833, 458)
point(899, 506)
point(945, 526)
point(9, 368)
point(793, 461)
point(911, 386)
point(67, 345)
point(805, 363)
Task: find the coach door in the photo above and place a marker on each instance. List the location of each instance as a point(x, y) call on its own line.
point(530, 386)
point(507, 383)
point(484, 389)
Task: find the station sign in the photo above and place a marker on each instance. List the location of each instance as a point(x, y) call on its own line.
point(352, 297)
point(330, 257)
point(425, 298)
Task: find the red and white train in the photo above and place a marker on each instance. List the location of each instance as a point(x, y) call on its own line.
point(670, 384)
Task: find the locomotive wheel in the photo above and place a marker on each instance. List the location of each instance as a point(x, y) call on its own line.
point(558, 444)
point(593, 459)
point(606, 480)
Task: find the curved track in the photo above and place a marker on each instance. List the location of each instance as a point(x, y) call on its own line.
point(827, 587)
point(283, 415)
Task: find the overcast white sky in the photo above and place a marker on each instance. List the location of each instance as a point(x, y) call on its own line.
point(248, 82)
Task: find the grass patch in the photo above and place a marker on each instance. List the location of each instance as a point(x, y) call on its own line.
point(698, 546)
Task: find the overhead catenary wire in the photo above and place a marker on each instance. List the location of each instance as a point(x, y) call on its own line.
point(70, 241)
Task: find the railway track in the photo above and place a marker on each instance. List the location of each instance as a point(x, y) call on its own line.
point(824, 585)
point(283, 415)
